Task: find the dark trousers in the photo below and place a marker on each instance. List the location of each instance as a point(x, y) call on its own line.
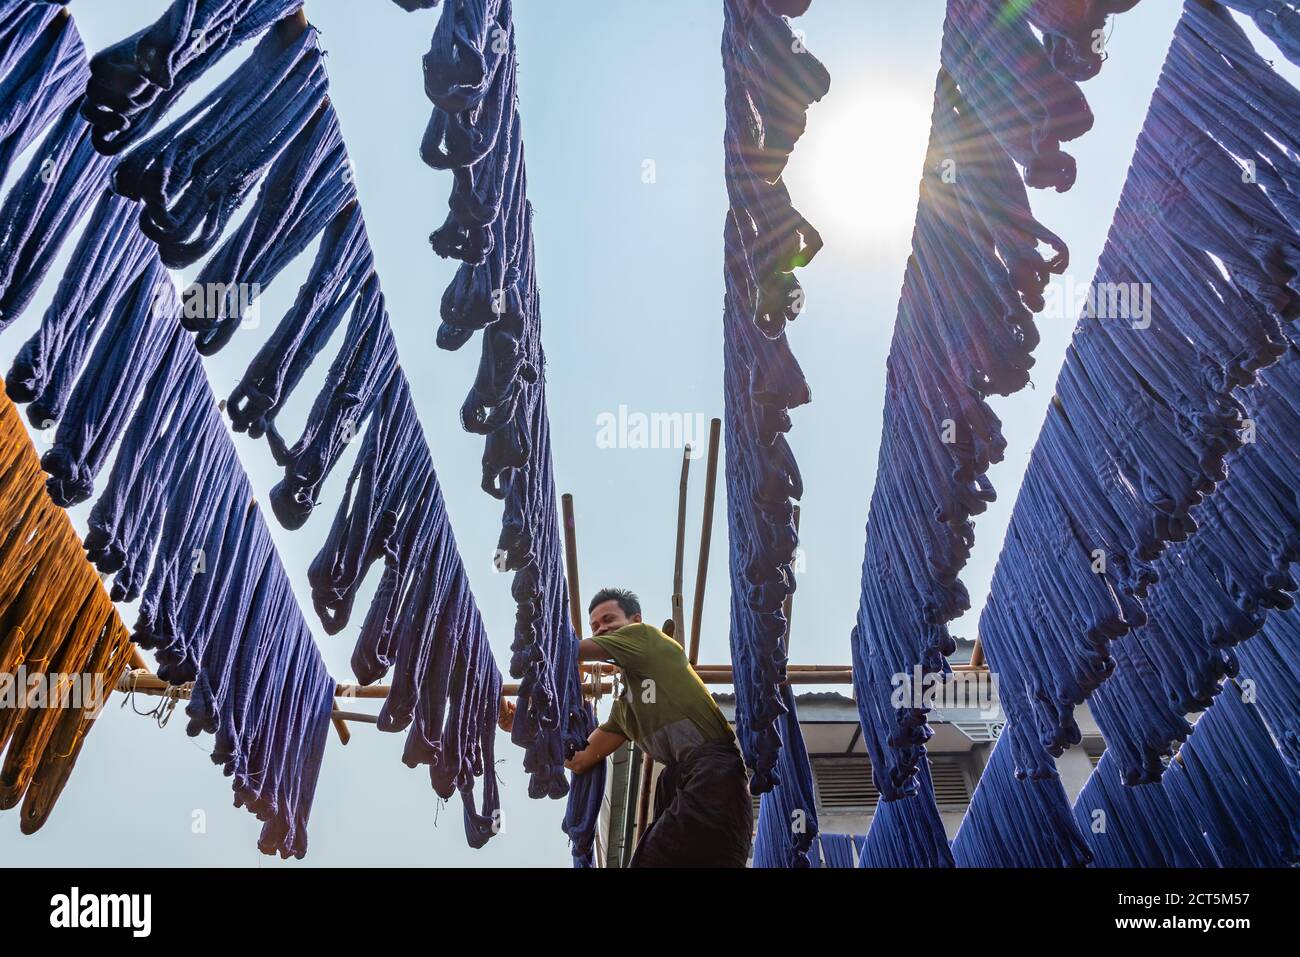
point(703, 814)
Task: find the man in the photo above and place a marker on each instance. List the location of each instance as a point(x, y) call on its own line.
point(703, 814)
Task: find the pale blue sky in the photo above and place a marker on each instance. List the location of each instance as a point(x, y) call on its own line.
point(630, 275)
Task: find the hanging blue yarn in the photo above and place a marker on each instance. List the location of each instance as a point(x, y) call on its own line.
point(232, 625)
point(469, 76)
point(1018, 823)
point(1232, 779)
point(135, 82)
point(217, 608)
point(126, 515)
point(908, 832)
point(190, 29)
point(42, 71)
point(1023, 86)
point(838, 850)
point(1217, 587)
point(1136, 826)
point(344, 261)
point(131, 343)
point(1216, 590)
point(1005, 95)
point(1146, 415)
point(305, 190)
point(1270, 668)
point(67, 176)
point(771, 80)
point(940, 436)
point(195, 174)
point(1229, 800)
point(272, 117)
point(582, 815)
point(107, 260)
point(423, 624)
point(365, 363)
point(216, 605)
point(787, 815)
point(1279, 20)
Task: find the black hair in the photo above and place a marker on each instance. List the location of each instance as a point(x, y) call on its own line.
point(630, 604)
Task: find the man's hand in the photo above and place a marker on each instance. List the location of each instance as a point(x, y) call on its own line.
point(600, 745)
point(582, 762)
point(506, 715)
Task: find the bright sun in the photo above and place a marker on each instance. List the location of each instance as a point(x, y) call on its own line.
point(856, 172)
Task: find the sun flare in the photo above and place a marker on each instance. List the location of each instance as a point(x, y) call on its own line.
point(857, 170)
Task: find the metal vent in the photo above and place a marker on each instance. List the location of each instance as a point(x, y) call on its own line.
point(844, 782)
point(1094, 748)
point(950, 784)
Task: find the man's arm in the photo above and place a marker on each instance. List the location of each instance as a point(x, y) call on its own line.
point(589, 650)
point(506, 715)
point(600, 745)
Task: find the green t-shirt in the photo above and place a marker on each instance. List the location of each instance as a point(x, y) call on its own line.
point(666, 708)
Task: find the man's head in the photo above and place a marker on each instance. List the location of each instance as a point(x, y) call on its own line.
point(611, 609)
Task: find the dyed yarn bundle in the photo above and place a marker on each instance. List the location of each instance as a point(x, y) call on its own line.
point(271, 121)
point(1146, 412)
point(193, 176)
point(1018, 69)
point(178, 525)
point(1018, 823)
point(1217, 589)
point(771, 80)
point(42, 71)
point(1270, 663)
point(787, 829)
point(1135, 826)
point(470, 75)
point(840, 850)
point(62, 646)
point(908, 832)
point(72, 175)
point(135, 82)
point(965, 331)
point(582, 815)
point(423, 624)
point(1279, 20)
point(1227, 801)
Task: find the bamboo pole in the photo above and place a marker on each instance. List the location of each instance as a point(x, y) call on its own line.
point(341, 728)
point(143, 682)
point(643, 802)
point(706, 538)
point(679, 632)
point(724, 676)
point(571, 562)
point(575, 589)
point(679, 555)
